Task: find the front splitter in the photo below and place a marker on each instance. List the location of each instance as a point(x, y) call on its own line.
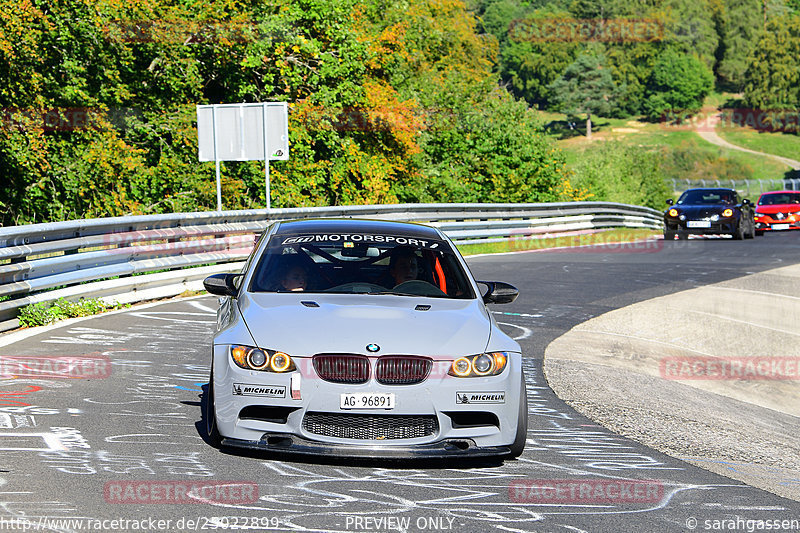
point(292, 444)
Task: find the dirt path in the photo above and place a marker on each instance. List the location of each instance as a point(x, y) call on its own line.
point(712, 137)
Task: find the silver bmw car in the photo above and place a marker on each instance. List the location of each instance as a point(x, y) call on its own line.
point(363, 338)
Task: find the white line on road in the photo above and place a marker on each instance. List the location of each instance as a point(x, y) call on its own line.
point(525, 331)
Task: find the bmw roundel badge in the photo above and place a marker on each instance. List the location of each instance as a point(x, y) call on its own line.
point(373, 348)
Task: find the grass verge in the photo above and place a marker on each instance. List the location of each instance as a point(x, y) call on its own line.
point(780, 144)
point(44, 313)
point(681, 147)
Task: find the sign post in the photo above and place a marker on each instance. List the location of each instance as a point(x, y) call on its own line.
point(243, 132)
point(216, 158)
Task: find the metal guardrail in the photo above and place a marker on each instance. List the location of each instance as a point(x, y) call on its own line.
point(136, 258)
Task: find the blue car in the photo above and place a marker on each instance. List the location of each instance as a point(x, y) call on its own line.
point(709, 211)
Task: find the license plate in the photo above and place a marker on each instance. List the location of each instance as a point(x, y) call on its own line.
point(367, 400)
point(780, 226)
point(698, 224)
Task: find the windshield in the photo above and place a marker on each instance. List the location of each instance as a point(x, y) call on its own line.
point(707, 198)
point(361, 264)
point(780, 198)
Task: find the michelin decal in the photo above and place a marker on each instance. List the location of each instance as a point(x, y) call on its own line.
point(463, 398)
point(266, 391)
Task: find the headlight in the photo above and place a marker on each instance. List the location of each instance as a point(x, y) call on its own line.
point(757, 215)
point(485, 364)
point(257, 359)
point(727, 213)
point(251, 358)
point(280, 362)
point(673, 212)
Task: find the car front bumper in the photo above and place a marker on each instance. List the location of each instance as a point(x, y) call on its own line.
point(777, 225)
point(716, 228)
point(459, 429)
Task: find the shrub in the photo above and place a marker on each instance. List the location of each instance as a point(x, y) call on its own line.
point(616, 172)
point(41, 314)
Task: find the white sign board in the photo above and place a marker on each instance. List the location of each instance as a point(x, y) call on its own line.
point(240, 131)
point(243, 132)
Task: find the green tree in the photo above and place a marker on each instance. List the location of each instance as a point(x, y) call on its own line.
point(467, 152)
point(497, 16)
point(678, 84)
point(742, 22)
point(528, 62)
point(692, 28)
point(369, 85)
point(587, 86)
point(472, 154)
point(601, 9)
point(631, 65)
point(772, 79)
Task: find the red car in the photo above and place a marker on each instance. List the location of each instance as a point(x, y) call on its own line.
point(779, 210)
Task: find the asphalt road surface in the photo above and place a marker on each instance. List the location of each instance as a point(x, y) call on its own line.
point(109, 454)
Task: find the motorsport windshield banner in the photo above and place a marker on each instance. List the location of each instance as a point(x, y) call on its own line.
point(338, 238)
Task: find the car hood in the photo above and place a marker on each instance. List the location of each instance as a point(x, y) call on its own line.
point(778, 208)
point(345, 323)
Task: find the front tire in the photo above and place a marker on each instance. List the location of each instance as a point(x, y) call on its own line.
point(669, 235)
point(521, 437)
point(210, 415)
point(738, 232)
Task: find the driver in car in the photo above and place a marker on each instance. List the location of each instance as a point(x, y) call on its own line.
point(295, 279)
point(403, 265)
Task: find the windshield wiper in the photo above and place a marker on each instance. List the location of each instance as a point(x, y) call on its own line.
point(394, 293)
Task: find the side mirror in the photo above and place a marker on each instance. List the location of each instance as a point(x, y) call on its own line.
point(499, 292)
point(221, 284)
point(746, 202)
point(669, 201)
